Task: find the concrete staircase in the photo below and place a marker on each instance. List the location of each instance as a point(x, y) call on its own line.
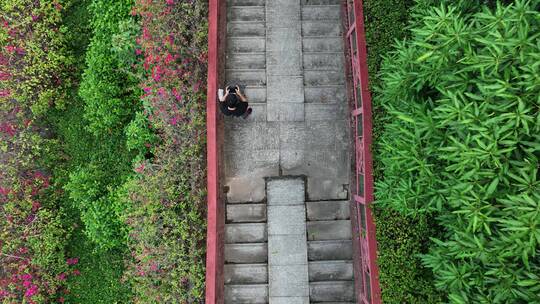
point(303, 57)
point(246, 254)
point(330, 252)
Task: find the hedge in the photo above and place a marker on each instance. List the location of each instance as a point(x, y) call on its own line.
point(167, 218)
point(461, 142)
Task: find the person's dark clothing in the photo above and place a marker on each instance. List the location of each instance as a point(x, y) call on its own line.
point(240, 109)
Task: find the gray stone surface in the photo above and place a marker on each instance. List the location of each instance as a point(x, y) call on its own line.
point(256, 94)
point(287, 250)
point(277, 112)
point(288, 281)
point(325, 94)
point(330, 271)
point(323, 61)
point(289, 57)
point(246, 45)
point(245, 61)
point(286, 220)
point(322, 12)
point(246, 13)
point(246, 253)
point(329, 230)
point(287, 243)
point(245, 233)
point(246, 2)
point(289, 300)
point(323, 44)
point(318, 29)
point(285, 89)
point(246, 294)
point(342, 291)
point(286, 191)
point(242, 213)
point(246, 274)
point(246, 29)
point(329, 250)
point(328, 210)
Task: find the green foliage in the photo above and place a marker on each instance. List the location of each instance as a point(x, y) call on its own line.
point(461, 140)
point(100, 208)
point(400, 238)
point(167, 217)
point(100, 276)
point(109, 92)
point(110, 100)
point(138, 134)
point(36, 45)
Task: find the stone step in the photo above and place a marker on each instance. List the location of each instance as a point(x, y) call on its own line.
point(321, 29)
point(330, 250)
point(315, 78)
point(246, 274)
point(245, 13)
point(329, 230)
point(255, 94)
point(328, 210)
point(325, 94)
point(332, 291)
point(246, 2)
point(322, 44)
point(246, 253)
point(245, 233)
point(246, 77)
point(323, 61)
point(330, 271)
point(246, 44)
point(321, 12)
point(245, 61)
point(321, 2)
point(246, 29)
point(246, 213)
point(249, 293)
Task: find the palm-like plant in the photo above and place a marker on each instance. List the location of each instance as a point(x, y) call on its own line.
point(462, 141)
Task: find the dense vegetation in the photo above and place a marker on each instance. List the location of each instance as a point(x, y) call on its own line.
point(34, 76)
point(460, 142)
point(400, 237)
point(102, 162)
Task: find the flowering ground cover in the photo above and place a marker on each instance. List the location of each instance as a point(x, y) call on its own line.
point(102, 143)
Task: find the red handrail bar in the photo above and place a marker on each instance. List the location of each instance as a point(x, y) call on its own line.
point(365, 245)
point(215, 212)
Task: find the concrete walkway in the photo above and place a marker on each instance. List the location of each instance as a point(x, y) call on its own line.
point(288, 232)
point(290, 57)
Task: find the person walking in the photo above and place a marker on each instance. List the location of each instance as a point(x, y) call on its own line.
point(234, 103)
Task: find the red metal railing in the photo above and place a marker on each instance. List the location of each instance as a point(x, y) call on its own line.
point(366, 272)
point(215, 216)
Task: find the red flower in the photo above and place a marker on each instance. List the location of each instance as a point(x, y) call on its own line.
point(72, 261)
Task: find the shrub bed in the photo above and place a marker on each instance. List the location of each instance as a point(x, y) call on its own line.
point(167, 216)
point(34, 66)
point(400, 237)
point(110, 99)
point(460, 141)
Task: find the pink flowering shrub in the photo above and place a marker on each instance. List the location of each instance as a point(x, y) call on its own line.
point(33, 69)
point(167, 217)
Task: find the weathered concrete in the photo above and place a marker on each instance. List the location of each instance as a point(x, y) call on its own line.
point(299, 121)
point(287, 243)
point(288, 54)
